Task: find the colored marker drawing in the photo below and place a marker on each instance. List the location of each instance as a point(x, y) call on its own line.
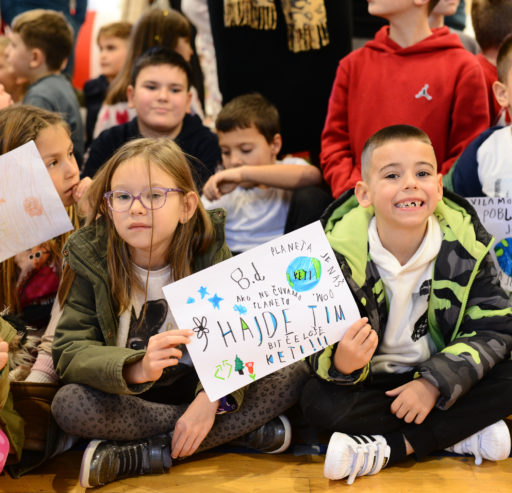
point(503, 251)
point(31, 210)
point(304, 273)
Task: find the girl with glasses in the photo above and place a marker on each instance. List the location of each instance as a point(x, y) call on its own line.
point(130, 383)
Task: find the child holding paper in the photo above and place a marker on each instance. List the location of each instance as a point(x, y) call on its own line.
point(428, 364)
point(129, 378)
point(29, 280)
point(28, 287)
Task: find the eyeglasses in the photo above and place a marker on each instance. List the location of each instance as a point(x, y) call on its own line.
point(151, 198)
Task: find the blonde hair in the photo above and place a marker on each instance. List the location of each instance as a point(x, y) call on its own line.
point(19, 125)
point(190, 239)
point(47, 30)
point(121, 30)
point(156, 27)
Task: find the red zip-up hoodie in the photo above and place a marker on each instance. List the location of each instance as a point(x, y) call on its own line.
point(435, 85)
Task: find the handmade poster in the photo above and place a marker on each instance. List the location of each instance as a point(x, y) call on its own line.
point(31, 211)
point(263, 310)
point(496, 216)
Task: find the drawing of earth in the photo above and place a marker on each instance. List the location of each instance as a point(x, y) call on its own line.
point(304, 273)
point(503, 251)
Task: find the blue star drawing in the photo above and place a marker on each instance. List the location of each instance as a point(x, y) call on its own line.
point(240, 309)
point(190, 300)
point(215, 300)
point(203, 292)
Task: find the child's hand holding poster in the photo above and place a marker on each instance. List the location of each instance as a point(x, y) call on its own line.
point(31, 211)
point(263, 310)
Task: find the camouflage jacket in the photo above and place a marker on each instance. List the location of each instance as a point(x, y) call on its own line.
point(469, 316)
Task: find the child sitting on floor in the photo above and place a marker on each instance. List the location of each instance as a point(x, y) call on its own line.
point(255, 187)
point(428, 366)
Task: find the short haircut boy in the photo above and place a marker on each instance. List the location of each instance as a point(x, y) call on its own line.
point(47, 30)
point(119, 29)
point(161, 56)
point(385, 135)
point(492, 22)
point(250, 110)
point(504, 59)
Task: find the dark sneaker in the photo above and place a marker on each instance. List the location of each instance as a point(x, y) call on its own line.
point(273, 437)
point(349, 456)
point(105, 461)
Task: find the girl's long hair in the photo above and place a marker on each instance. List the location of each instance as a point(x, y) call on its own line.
point(189, 240)
point(156, 27)
point(20, 124)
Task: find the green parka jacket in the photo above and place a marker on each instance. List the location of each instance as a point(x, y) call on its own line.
point(84, 348)
point(469, 316)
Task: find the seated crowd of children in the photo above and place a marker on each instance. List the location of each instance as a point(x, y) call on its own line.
point(416, 123)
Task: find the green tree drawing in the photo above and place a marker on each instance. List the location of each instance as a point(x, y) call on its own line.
point(239, 365)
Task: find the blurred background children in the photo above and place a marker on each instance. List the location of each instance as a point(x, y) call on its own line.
point(156, 27)
point(40, 44)
point(12, 84)
point(112, 41)
point(492, 23)
point(484, 167)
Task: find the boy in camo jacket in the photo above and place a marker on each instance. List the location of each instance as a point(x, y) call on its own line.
point(427, 367)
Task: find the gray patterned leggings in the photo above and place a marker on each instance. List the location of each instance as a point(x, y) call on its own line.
point(83, 411)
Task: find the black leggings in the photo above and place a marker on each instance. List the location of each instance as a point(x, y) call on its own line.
point(365, 409)
point(89, 413)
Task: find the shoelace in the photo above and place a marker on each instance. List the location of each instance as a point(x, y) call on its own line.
point(369, 457)
point(472, 446)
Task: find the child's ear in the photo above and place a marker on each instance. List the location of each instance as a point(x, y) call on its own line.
point(36, 58)
point(129, 96)
point(190, 201)
point(500, 93)
point(276, 144)
point(440, 184)
point(362, 193)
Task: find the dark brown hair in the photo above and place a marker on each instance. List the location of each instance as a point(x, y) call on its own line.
point(385, 135)
point(492, 22)
point(248, 110)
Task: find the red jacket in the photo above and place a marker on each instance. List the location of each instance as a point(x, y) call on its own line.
point(435, 85)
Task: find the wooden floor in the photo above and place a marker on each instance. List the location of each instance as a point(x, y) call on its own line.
point(259, 473)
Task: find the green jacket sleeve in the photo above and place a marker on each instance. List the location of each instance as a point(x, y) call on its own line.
point(83, 353)
point(11, 421)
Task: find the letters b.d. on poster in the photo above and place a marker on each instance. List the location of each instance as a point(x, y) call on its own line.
point(263, 310)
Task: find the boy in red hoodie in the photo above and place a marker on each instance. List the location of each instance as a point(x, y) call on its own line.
point(408, 74)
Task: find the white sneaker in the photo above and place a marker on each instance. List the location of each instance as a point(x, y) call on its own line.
point(491, 443)
point(355, 455)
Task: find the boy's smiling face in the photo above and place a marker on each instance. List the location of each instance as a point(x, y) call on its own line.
point(161, 98)
point(403, 186)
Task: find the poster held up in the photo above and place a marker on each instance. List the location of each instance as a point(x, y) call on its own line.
point(31, 211)
point(263, 310)
point(495, 213)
